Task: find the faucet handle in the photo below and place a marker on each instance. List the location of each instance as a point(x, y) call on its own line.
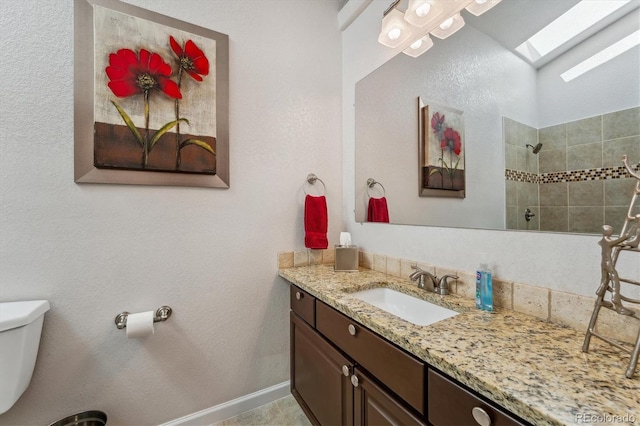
point(443, 284)
point(414, 275)
point(444, 278)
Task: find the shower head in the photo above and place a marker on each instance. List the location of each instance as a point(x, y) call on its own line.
point(537, 148)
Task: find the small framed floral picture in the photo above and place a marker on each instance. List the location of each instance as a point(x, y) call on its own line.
point(441, 151)
point(151, 98)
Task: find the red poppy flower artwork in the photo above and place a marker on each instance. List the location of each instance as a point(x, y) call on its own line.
point(130, 74)
point(192, 58)
point(437, 121)
point(141, 73)
point(443, 150)
point(151, 119)
point(451, 141)
point(151, 98)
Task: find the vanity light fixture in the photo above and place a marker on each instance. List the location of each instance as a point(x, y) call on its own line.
point(409, 31)
point(395, 29)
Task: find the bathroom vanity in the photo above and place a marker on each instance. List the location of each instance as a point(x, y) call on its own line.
point(353, 363)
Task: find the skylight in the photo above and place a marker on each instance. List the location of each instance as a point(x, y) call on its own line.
point(567, 26)
point(603, 56)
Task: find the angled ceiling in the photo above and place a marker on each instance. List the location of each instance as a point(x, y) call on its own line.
point(512, 22)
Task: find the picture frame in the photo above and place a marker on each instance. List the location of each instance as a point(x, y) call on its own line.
point(169, 124)
point(441, 151)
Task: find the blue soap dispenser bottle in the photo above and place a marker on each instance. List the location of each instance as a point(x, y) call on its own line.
point(481, 268)
point(486, 288)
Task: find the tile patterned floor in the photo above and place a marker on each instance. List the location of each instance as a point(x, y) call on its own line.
point(282, 412)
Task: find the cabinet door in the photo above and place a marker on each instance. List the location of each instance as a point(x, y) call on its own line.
point(318, 381)
point(374, 406)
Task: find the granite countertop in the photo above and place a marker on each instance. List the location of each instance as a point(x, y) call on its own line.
point(533, 368)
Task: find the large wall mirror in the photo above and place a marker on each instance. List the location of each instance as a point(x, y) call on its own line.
point(533, 142)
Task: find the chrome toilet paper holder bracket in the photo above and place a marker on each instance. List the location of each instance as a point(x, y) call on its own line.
point(162, 314)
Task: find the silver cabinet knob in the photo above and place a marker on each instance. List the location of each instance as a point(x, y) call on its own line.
point(354, 381)
point(345, 370)
point(298, 295)
point(481, 416)
point(352, 329)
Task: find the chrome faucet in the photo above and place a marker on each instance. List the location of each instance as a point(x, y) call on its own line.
point(419, 275)
point(440, 286)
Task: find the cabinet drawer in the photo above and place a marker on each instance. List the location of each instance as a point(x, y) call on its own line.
point(451, 404)
point(399, 371)
point(303, 304)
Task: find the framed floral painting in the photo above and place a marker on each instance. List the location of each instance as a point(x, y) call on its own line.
point(151, 98)
point(442, 151)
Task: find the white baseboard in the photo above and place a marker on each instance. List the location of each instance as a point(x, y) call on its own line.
point(234, 407)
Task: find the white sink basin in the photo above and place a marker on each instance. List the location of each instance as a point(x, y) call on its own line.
point(412, 309)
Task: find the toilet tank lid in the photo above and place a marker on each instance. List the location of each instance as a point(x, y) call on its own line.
point(17, 314)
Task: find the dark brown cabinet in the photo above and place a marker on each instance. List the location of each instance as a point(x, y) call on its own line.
point(344, 374)
point(332, 390)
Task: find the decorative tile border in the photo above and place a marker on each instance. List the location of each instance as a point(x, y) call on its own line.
point(555, 306)
point(520, 176)
point(602, 173)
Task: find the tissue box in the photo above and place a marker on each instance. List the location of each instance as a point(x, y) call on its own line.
point(346, 259)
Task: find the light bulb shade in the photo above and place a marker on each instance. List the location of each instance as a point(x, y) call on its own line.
point(395, 30)
point(457, 23)
point(420, 12)
point(478, 7)
point(425, 14)
point(446, 24)
point(419, 46)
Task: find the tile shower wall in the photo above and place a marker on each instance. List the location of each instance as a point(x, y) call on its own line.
point(580, 183)
point(522, 175)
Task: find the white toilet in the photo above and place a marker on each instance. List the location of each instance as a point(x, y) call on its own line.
point(20, 327)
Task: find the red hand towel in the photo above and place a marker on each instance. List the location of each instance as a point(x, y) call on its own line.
point(378, 211)
point(315, 222)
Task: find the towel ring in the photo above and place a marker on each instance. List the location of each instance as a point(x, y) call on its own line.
point(371, 183)
point(311, 180)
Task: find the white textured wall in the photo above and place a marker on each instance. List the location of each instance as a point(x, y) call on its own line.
point(558, 261)
point(97, 250)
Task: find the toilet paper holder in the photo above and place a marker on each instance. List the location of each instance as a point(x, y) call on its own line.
point(162, 314)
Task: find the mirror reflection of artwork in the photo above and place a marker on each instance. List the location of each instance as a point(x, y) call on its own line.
point(443, 151)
